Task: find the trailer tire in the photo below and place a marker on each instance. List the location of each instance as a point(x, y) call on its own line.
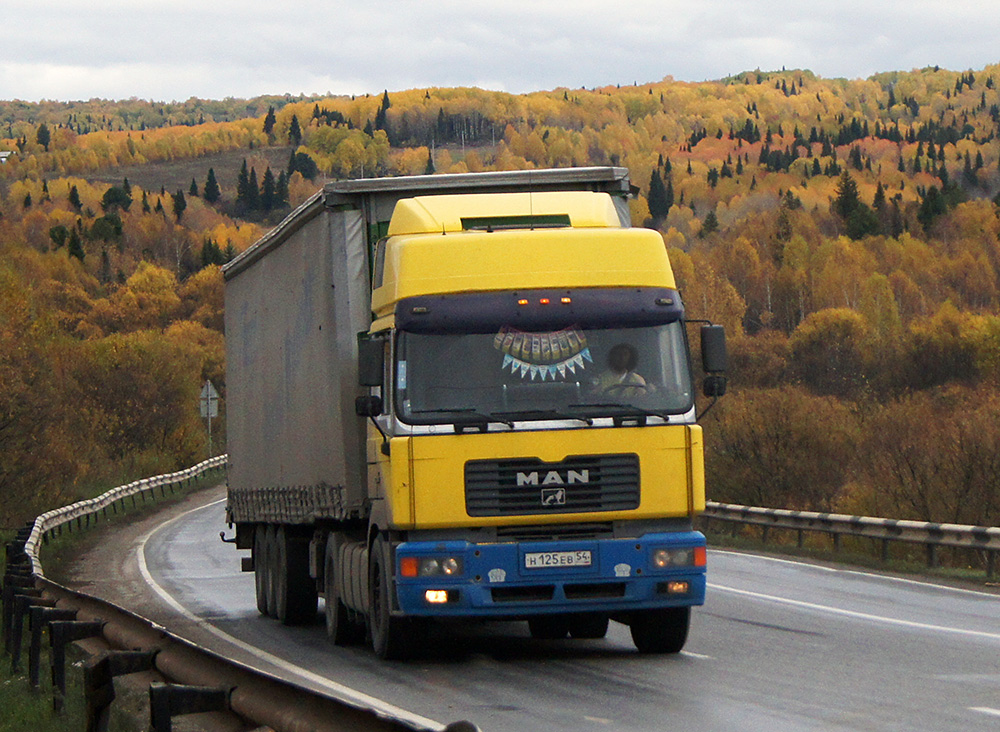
point(260, 561)
point(588, 627)
point(392, 637)
point(295, 591)
point(270, 558)
point(341, 628)
point(660, 631)
point(549, 627)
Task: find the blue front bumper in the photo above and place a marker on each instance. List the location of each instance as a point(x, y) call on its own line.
point(495, 581)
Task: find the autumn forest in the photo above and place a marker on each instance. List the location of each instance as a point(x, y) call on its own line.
point(847, 233)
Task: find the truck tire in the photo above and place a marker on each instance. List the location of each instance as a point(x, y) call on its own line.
point(588, 626)
point(270, 551)
point(549, 627)
point(341, 628)
point(392, 637)
point(661, 631)
point(295, 590)
point(260, 568)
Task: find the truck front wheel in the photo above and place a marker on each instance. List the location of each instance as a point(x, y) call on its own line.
point(660, 631)
point(391, 636)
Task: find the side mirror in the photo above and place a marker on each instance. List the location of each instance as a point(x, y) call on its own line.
point(368, 406)
point(714, 386)
point(714, 358)
point(371, 360)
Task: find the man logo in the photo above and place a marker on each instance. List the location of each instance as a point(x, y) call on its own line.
point(553, 477)
point(553, 496)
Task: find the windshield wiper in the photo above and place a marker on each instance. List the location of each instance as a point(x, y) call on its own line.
point(477, 416)
point(540, 414)
point(630, 409)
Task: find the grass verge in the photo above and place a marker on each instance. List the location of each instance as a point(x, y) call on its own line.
point(957, 566)
point(23, 709)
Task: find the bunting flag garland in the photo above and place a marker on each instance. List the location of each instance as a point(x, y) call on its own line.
point(543, 355)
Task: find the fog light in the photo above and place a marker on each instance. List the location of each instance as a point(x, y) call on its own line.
point(677, 588)
point(436, 597)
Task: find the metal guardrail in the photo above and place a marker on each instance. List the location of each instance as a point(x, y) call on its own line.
point(83, 511)
point(931, 535)
point(198, 674)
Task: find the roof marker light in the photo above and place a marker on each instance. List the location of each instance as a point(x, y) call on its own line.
point(543, 301)
point(566, 300)
point(522, 302)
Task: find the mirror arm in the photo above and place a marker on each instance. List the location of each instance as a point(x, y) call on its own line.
point(385, 437)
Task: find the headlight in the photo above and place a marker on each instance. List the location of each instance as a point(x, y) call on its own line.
point(431, 566)
point(687, 557)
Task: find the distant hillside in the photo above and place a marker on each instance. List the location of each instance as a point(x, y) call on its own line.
point(845, 231)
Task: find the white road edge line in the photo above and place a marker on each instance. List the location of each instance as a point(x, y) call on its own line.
point(986, 710)
point(858, 615)
point(904, 580)
point(699, 656)
point(345, 691)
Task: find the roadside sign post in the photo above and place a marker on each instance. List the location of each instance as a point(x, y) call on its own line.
point(209, 408)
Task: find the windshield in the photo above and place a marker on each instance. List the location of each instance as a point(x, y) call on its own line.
point(568, 374)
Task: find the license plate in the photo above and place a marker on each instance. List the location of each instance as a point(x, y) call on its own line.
point(541, 560)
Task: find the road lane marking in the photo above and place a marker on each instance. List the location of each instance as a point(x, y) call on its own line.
point(904, 580)
point(986, 710)
point(700, 656)
point(856, 614)
point(344, 693)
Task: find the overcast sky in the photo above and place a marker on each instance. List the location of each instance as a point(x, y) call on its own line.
point(175, 49)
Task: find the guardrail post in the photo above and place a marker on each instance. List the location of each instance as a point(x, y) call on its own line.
point(98, 681)
point(22, 607)
point(991, 558)
point(885, 550)
point(169, 700)
point(836, 543)
point(932, 558)
point(61, 633)
point(39, 621)
point(16, 581)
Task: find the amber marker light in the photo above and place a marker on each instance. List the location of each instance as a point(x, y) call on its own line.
point(543, 301)
point(566, 300)
point(522, 302)
point(408, 566)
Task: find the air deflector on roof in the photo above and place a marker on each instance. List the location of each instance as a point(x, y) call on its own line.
point(526, 221)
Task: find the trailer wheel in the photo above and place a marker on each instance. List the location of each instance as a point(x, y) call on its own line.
point(295, 590)
point(391, 636)
point(260, 561)
point(340, 627)
point(588, 626)
point(270, 559)
point(661, 631)
point(549, 627)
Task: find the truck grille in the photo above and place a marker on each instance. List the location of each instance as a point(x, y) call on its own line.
point(528, 486)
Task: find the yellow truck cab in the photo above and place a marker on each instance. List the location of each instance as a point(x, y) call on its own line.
point(531, 448)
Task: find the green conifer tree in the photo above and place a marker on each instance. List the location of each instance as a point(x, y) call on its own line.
point(74, 199)
point(294, 132)
point(75, 245)
point(211, 192)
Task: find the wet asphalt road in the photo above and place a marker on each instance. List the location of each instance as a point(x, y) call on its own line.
point(779, 645)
